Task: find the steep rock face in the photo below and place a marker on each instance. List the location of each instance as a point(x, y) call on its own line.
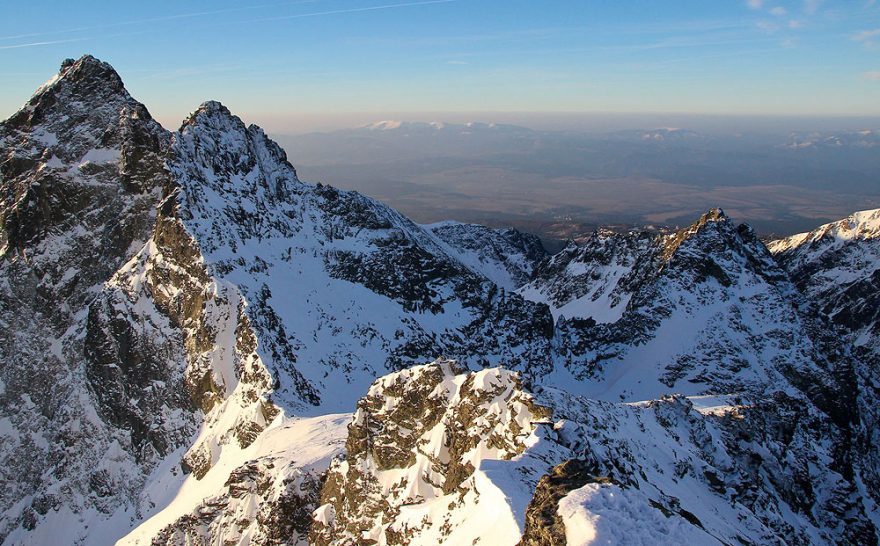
point(167, 292)
point(81, 172)
point(507, 257)
point(436, 456)
point(837, 266)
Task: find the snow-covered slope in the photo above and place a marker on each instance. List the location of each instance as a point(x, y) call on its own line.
point(436, 455)
point(838, 266)
point(507, 257)
point(262, 494)
point(593, 280)
point(172, 297)
point(186, 325)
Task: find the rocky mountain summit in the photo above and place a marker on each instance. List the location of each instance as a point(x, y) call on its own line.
point(187, 325)
point(838, 266)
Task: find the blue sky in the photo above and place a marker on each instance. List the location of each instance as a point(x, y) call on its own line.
point(293, 65)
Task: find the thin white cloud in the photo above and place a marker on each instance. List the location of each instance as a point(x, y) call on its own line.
point(755, 4)
point(871, 75)
point(812, 6)
point(263, 19)
point(779, 11)
point(768, 26)
point(865, 35)
point(867, 38)
point(794, 23)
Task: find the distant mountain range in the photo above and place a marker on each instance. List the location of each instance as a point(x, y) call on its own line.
point(198, 347)
point(427, 127)
point(866, 139)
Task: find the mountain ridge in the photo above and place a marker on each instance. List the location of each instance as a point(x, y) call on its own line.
point(212, 335)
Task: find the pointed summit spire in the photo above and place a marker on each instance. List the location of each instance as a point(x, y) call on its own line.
point(213, 112)
point(713, 216)
point(85, 84)
point(88, 67)
point(86, 75)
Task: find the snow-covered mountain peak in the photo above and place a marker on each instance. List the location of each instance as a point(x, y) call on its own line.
point(443, 128)
point(838, 266)
point(214, 114)
point(82, 170)
point(81, 133)
point(89, 69)
point(313, 256)
point(177, 307)
point(863, 225)
point(87, 80)
point(212, 121)
point(712, 220)
point(215, 151)
point(385, 125)
point(713, 247)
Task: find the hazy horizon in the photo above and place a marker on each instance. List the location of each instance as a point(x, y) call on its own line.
point(306, 65)
point(598, 122)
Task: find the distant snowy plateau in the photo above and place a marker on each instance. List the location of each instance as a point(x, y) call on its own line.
point(199, 348)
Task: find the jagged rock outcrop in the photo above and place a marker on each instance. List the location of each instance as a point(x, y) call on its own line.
point(182, 316)
point(551, 467)
point(412, 472)
point(266, 495)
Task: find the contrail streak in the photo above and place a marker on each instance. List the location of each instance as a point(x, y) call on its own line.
point(35, 44)
point(189, 15)
point(350, 10)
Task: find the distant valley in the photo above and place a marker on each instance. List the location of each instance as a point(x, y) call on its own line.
point(561, 184)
